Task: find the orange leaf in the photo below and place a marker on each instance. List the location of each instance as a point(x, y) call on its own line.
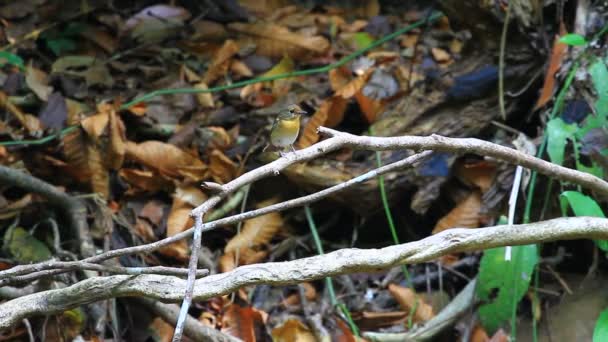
point(338, 78)
point(464, 215)
point(479, 174)
point(557, 55)
point(370, 107)
point(408, 300)
point(221, 61)
point(351, 88)
point(145, 180)
point(256, 233)
point(222, 168)
point(167, 159)
point(292, 330)
point(243, 322)
point(330, 114)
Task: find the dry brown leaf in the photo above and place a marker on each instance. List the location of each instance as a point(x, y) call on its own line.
point(256, 234)
point(95, 125)
point(185, 198)
point(366, 320)
point(222, 168)
point(409, 40)
point(339, 78)
point(221, 61)
point(479, 334)
point(408, 300)
point(500, 336)
point(143, 180)
point(100, 178)
point(242, 322)
point(292, 330)
point(309, 292)
point(480, 174)
point(167, 159)
point(31, 123)
point(370, 107)
point(354, 86)
point(204, 99)
point(329, 114)
point(37, 80)
point(558, 52)
point(162, 330)
point(464, 215)
point(440, 55)
point(116, 151)
point(276, 41)
point(241, 69)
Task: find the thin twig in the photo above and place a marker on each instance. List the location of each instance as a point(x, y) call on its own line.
point(340, 140)
point(75, 211)
point(344, 261)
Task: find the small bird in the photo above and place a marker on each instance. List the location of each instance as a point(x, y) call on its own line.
point(285, 128)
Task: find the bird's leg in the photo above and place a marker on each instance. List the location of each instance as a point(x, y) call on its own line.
point(292, 149)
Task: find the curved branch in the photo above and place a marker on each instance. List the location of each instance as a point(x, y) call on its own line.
point(343, 261)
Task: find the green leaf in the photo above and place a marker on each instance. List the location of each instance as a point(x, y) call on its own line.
point(502, 284)
point(9, 58)
point(24, 247)
point(573, 39)
point(362, 40)
point(583, 205)
point(600, 333)
point(558, 132)
point(599, 76)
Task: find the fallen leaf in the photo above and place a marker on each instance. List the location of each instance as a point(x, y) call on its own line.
point(256, 233)
point(465, 215)
point(221, 61)
point(166, 159)
point(292, 330)
point(243, 322)
point(221, 168)
point(408, 300)
point(38, 82)
point(204, 99)
point(329, 114)
point(440, 55)
point(276, 41)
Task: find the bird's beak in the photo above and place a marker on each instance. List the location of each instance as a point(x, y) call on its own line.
point(301, 112)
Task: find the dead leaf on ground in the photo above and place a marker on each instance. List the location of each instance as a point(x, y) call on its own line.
point(292, 330)
point(465, 215)
point(168, 160)
point(185, 198)
point(221, 61)
point(38, 82)
point(250, 244)
point(329, 114)
point(243, 322)
point(479, 174)
point(276, 41)
point(222, 168)
point(408, 300)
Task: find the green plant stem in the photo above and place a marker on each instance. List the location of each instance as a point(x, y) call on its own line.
point(146, 97)
point(326, 68)
point(328, 281)
point(559, 101)
point(501, 64)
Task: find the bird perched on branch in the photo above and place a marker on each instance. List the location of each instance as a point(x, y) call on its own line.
point(285, 129)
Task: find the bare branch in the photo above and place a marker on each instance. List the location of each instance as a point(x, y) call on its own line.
point(343, 261)
point(81, 265)
point(473, 146)
point(74, 209)
point(41, 269)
